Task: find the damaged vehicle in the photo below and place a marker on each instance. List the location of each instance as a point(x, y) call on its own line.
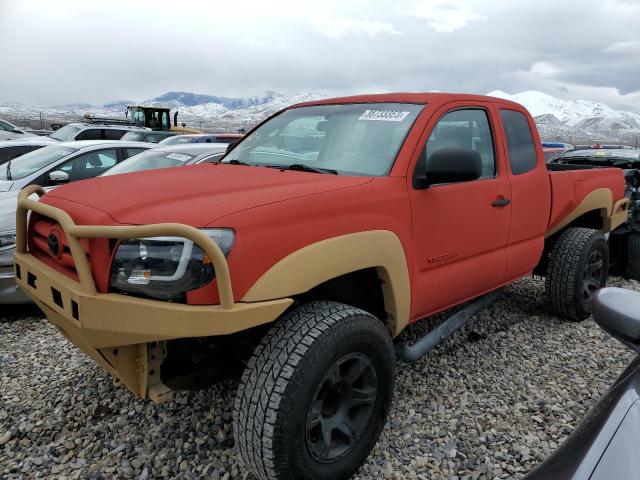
point(624, 242)
point(297, 259)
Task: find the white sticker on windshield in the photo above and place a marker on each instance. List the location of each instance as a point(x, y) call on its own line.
point(181, 157)
point(384, 115)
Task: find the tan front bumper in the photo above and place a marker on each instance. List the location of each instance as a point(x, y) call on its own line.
point(120, 332)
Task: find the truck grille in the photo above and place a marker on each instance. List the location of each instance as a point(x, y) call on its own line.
point(48, 243)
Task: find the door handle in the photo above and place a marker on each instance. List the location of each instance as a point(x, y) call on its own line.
point(501, 202)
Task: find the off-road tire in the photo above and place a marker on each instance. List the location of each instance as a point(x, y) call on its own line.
point(633, 256)
point(282, 382)
point(570, 263)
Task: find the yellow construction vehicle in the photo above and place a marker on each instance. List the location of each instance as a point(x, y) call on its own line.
point(156, 118)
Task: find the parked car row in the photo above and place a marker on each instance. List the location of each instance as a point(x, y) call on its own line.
point(67, 162)
point(94, 129)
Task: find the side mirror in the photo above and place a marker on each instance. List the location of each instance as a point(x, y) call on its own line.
point(617, 311)
point(57, 177)
point(450, 165)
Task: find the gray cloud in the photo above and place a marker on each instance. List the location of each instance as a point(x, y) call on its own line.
point(78, 51)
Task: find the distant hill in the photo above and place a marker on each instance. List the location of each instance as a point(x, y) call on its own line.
point(556, 117)
point(580, 120)
point(187, 99)
point(207, 112)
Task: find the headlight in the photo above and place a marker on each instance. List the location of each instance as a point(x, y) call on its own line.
point(7, 240)
point(165, 267)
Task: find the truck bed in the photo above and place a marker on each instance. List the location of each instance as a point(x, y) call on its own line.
point(571, 184)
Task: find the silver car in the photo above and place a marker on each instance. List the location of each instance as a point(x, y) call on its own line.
point(160, 157)
point(171, 156)
point(65, 162)
point(92, 131)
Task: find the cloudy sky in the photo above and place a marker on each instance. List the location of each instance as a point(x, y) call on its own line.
point(57, 52)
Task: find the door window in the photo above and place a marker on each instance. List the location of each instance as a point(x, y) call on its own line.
point(465, 129)
point(522, 151)
point(90, 134)
point(130, 152)
point(113, 134)
point(89, 165)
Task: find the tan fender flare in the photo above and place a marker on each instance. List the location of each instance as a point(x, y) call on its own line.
point(319, 262)
point(600, 199)
point(619, 215)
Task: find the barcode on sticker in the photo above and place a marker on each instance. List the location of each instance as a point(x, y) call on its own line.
point(384, 115)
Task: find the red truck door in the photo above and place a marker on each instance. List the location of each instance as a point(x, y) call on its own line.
point(531, 191)
point(460, 230)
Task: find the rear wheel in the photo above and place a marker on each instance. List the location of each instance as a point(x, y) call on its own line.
point(315, 395)
point(578, 266)
point(633, 256)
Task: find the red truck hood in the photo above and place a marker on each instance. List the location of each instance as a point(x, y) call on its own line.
point(195, 195)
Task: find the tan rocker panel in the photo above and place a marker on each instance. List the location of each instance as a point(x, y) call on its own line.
point(600, 199)
point(317, 263)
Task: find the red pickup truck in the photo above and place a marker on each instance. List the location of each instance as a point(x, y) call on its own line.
point(300, 257)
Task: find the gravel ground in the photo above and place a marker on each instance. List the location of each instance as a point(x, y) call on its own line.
point(491, 402)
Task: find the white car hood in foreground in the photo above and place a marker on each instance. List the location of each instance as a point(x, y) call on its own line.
point(8, 202)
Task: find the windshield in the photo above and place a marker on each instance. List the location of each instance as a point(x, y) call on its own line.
point(66, 133)
point(133, 136)
point(352, 139)
point(150, 160)
point(32, 162)
point(137, 116)
point(177, 140)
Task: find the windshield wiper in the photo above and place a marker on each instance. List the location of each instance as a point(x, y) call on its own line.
point(236, 162)
point(301, 167)
point(9, 170)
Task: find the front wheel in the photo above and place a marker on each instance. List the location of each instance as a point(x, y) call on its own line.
point(578, 266)
point(315, 395)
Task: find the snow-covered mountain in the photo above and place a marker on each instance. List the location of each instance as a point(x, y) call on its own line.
point(556, 117)
point(579, 120)
point(207, 112)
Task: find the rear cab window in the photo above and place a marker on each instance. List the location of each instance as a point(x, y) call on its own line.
point(520, 145)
